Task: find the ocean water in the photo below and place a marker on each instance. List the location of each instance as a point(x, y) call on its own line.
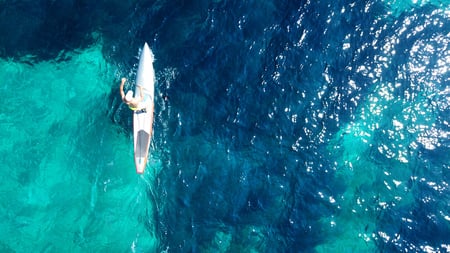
point(281, 126)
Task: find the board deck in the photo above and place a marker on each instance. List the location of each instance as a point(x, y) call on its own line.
point(143, 116)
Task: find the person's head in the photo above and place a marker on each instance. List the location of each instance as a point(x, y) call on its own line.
point(129, 95)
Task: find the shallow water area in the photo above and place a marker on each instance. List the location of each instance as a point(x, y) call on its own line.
point(65, 184)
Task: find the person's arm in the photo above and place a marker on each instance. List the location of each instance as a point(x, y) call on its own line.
point(122, 94)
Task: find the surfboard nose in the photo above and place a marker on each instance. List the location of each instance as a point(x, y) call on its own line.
point(147, 52)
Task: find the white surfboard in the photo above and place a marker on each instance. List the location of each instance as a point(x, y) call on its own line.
point(143, 118)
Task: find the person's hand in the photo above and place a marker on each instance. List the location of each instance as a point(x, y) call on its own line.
point(124, 79)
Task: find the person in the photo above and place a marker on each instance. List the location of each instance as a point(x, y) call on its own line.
point(129, 99)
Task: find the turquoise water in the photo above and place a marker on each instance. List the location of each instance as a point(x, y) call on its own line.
point(280, 126)
point(67, 169)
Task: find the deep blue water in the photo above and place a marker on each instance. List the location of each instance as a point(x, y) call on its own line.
point(281, 126)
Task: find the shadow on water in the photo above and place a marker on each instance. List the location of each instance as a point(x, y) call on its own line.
point(118, 112)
